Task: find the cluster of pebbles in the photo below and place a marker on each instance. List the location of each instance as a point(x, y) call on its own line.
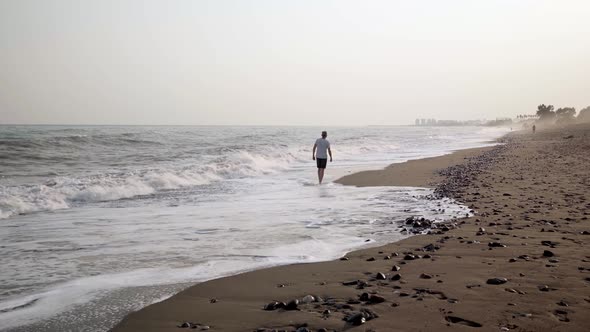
point(348, 309)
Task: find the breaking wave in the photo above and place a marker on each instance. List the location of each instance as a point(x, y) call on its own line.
point(65, 192)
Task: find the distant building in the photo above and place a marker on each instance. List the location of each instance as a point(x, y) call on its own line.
point(442, 123)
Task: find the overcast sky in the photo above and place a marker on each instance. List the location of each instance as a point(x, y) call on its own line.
point(289, 62)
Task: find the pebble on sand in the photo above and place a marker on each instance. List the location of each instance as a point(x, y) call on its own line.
point(396, 277)
point(496, 281)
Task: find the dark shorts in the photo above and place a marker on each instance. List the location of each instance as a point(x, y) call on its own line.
point(321, 162)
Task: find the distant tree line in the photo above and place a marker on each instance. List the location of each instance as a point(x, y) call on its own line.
point(563, 115)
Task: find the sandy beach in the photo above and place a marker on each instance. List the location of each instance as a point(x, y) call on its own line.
point(520, 264)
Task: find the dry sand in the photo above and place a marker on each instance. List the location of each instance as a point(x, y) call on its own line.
point(534, 188)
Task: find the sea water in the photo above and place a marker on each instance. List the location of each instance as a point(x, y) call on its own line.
point(97, 221)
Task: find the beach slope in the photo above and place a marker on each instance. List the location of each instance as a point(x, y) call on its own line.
point(521, 263)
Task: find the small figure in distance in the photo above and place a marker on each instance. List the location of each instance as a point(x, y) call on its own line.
point(322, 145)
point(534, 128)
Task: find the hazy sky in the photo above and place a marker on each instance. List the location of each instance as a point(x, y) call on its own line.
point(288, 62)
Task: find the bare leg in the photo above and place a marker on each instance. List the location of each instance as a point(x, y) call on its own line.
point(321, 174)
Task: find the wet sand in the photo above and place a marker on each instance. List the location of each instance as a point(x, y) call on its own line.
point(413, 173)
point(520, 264)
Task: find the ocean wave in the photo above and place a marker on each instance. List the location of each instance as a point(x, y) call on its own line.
point(64, 192)
point(79, 141)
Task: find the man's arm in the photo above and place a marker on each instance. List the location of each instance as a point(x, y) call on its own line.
point(330, 153)
point(315, 145)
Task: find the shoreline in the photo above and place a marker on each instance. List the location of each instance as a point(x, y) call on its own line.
point(135, 294)
point(444, 289)
point(421, 172)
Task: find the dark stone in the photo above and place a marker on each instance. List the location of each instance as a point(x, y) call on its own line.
point(496, 245)
point(396, 277)
point(496, 281)
point(410, 257)
point(308, 299)
point(185, 325)
point(292, 305)
point(303, 329)
point(369, 314)
point(364, 297)
point(356, 319)
point(372, 259)
point(344, 258)
point(548, 253)
point(425, 276)
point(396, 268)
point(376, 299)
point(361, 284)
point(359, 318)
point(549, 243)
point(273, 305)
point(350, 283)
point(431, 247)
point(545, 288)
point(380, 276)
point(459, 320)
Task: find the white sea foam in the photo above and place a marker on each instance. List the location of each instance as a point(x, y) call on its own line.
point(62, 193)
point(65, 296)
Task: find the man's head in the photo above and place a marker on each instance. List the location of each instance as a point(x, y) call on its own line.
point(324, 134)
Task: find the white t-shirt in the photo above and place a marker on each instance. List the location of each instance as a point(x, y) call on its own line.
point(322, 148)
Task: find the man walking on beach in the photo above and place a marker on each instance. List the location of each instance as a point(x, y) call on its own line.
point(322, 145)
